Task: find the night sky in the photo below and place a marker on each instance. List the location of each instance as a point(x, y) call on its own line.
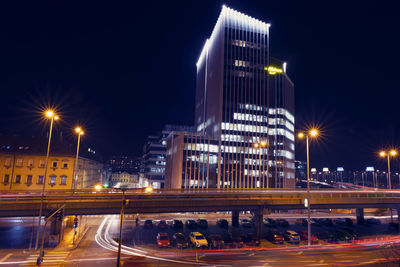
point(124, 70)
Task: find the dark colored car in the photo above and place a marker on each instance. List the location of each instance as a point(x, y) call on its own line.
point(301, 221)
point(246, 223)
point(191, 224)
point(163, 240)
point(315, 222)
point(223, 223)
point(251, 239)
point(344, 221)
point(275, 237)
point(148, 224)
point(304, 236)
point(202, 223)
point(227, 238)
point(237, 240)
point(162, 225)
point(269, 222)
point(326, 222)
point(372, 221)
point(353, 234)
point(323, 235)
point(216, 241)
point(179, 240)
point(339, 236)
point(282, 222)
point(177, 224)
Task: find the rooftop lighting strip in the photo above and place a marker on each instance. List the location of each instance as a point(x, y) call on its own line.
point(230, 15)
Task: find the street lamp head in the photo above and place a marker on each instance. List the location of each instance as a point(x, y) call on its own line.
point(98, 187)
point(300, 135)
point(313, 132)
point(263, 143)
point(49, 114)
point(148, 189)
point(256, 145)
point(79, 130)
point(393, 153)
point(56, 117)
point(382, 153)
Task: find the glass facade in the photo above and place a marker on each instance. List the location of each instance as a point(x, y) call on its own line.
point(243, 97)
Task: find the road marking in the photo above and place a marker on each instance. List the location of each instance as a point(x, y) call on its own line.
point(6, 257)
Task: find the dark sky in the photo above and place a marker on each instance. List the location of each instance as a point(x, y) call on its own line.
point(125, 69)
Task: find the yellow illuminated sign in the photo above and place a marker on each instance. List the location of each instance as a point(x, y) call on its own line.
point(273, 70)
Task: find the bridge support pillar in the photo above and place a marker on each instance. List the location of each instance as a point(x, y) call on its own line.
point(55, 230)
point(235, 218)
point(258, 220)
point(360, 215)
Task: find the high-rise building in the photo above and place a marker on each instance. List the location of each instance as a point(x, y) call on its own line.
point(243, 98)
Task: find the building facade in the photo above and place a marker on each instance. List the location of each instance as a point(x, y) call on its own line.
point(243, 98)
point(22, 167)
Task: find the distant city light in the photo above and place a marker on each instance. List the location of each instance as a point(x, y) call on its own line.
point(313, 170)
point(325, 169)
point(339, 169)
point(370, 169)
point(273, 70)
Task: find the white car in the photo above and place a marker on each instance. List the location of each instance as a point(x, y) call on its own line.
point(198, 240)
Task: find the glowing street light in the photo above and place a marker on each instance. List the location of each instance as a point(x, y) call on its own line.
point(98, 187)
point(49, 114)
point(148, 189)
point(311, 133)
point(260, 145)
point(388, 155)
point(80, 132)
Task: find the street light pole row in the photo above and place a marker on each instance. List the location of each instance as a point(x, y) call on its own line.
point(50, 114)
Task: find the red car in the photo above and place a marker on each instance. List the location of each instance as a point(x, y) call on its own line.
point(304, 236)
point(163, 240)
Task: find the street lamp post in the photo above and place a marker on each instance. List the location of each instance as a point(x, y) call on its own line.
point(79, 131)
point(52, 116)
point(311, 133)
point(121, 221)
point(260, 145)
point(388, 154)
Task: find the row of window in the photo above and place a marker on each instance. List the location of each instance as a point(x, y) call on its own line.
point(29, 179)
point(30, 163)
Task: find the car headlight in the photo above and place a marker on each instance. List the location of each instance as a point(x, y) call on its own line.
point(197, 244)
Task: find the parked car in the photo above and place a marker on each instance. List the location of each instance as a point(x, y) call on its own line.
point(372, 221)
point(291, 237)
point(216, 241)
point(326, 222)
point(304, 236)
point(222, 223)
point(250, 239)
point(177, 224)
point(246, 223)
point(179, 240)
point(191, 224)
point(269, 222)
point(344, 221)
point(282, 222)
point(202, 223)
point(339, 236)
point(315, 222)
point(237, 240)
point(323, 235)
point(148, 224)
point(301, 221)
point(353, 234)
point(163, 240)
point(198, 240)
point(162, 224)
point(274, 236)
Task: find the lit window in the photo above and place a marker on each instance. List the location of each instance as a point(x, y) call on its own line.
point(30, 163)
point(17, 179)
point(41, 163)
point(63, 180)
point(7, 163)
point(40, 179)
point(20, 162)
point(53, 180)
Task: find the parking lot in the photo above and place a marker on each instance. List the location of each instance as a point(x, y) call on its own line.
point(323, 232)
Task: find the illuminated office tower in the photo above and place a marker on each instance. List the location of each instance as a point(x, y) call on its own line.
point(244, 99)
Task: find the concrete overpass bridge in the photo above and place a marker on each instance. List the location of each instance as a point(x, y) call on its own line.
point(259, 201)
